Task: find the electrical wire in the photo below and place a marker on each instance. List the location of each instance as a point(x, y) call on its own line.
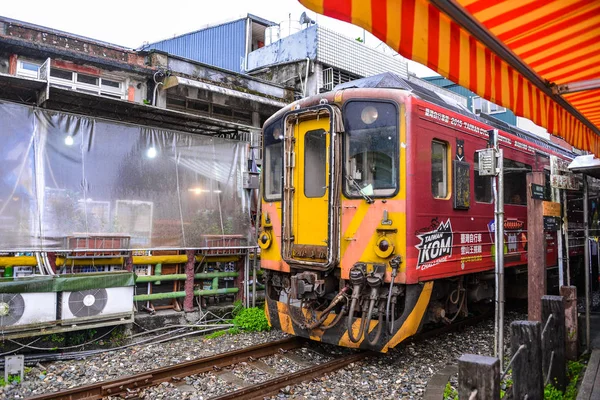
point(28, 346)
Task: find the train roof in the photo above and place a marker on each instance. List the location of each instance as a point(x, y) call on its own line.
point(389, 80)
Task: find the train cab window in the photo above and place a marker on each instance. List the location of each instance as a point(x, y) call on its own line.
point(439, 169)
point(273, 163)
point(515, 182)
point(315, 163)
point(371, 154)
point(483, 184)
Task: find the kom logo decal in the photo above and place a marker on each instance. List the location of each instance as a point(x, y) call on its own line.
point(435, 246)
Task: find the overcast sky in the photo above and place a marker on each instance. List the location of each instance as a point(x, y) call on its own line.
point(130, 23)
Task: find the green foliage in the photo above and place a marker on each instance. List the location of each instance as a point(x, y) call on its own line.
point(574, 369)
point(359, 40)
point(251, 320)
point(11, 379)
point(118, 336)
point(450, 393)
point(237, 307)
point(216, 334)
point(57, 338)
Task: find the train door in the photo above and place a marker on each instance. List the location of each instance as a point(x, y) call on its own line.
point(308, 211)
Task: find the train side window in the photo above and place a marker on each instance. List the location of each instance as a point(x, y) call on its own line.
point(315, 163)
point(515, 182)
point(483, 184)
point(439, 169)
point(273, 164)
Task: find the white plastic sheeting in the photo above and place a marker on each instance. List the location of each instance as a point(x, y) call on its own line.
point(64, 175)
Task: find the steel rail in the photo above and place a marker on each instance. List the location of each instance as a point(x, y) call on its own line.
point(173, 372)
point(271, 387)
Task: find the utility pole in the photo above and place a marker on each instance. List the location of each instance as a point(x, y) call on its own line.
point(491, 163)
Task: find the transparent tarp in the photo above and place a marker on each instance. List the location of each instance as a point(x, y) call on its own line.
point(65, 177)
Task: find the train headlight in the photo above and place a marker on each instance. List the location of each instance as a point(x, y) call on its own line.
point(384, 247)
point(264, 240)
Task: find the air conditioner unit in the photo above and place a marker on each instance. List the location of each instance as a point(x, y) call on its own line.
point(27, 308)
point(100, 303)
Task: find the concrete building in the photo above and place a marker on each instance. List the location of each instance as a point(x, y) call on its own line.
point(221, 102)
point(316, 59)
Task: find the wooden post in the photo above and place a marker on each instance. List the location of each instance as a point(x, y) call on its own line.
point(478, 373)
point(569, 294)
point(527, 366)
point(553, 340)
point(536, 251)
point(188, 303)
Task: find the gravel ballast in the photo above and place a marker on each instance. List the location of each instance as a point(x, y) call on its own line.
point(401, 373)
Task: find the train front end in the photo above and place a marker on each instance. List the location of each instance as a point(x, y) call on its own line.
point(334, 220)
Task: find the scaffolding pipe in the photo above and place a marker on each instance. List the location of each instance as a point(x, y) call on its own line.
point(175, 295)
point(586, 262)
point(181, 277)
point(30, 261)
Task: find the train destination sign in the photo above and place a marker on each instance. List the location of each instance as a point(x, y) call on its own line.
point(537, 192)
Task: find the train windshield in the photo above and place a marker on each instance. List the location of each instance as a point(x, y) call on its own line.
point(273, 163)
point(371, 149)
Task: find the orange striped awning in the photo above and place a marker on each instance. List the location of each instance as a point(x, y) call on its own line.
point(539, 58)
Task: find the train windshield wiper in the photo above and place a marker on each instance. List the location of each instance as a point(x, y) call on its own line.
point(359, 189)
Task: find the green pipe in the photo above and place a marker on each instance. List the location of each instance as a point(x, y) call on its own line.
point(181, 277)
point(8, 271)
point(157, 272)
point(215, 283)
point(174, 295)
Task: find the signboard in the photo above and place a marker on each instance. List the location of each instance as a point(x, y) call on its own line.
point(487, 162)
point(568, 182)
point(551, 209)
point(551, 223)
point(557, 165)
point(462, 187)
point(537, 192)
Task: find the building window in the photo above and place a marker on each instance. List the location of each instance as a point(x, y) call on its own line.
point(483, 106)
point(27, 69)
point(334, 76)
point(88, 83)
point(483, 184)
point(515, 182)
point(439, 169)
point(80, 82)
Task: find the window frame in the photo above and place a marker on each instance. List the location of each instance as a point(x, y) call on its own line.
point(279, 197)
point(307, 136)
point(27, 73)
point(396, 152)
point(100, 89)
point(447, 166)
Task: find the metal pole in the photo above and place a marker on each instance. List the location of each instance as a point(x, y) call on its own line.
point(556, 196)
point(565, 228)
point(586, 262)
point(500, 255)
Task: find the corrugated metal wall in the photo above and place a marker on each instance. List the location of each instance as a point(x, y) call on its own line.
point(223, 45)
point(508, 116)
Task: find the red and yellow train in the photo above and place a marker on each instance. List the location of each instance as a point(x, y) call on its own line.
point(375, 221)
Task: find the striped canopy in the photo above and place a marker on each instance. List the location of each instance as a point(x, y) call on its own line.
point(539, 58)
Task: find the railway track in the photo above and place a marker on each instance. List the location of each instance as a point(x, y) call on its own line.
point(130, 387)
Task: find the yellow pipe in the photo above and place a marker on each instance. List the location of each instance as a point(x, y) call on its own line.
point(137, 260)
point(27, 261)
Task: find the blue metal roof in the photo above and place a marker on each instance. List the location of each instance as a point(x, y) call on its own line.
point(223, 45)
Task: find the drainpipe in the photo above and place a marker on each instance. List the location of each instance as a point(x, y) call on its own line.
point(248, 42)
point(306, 76)
point(188, 303)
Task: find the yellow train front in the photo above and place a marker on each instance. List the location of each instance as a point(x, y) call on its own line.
point(331, 239)
point(375, 221)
